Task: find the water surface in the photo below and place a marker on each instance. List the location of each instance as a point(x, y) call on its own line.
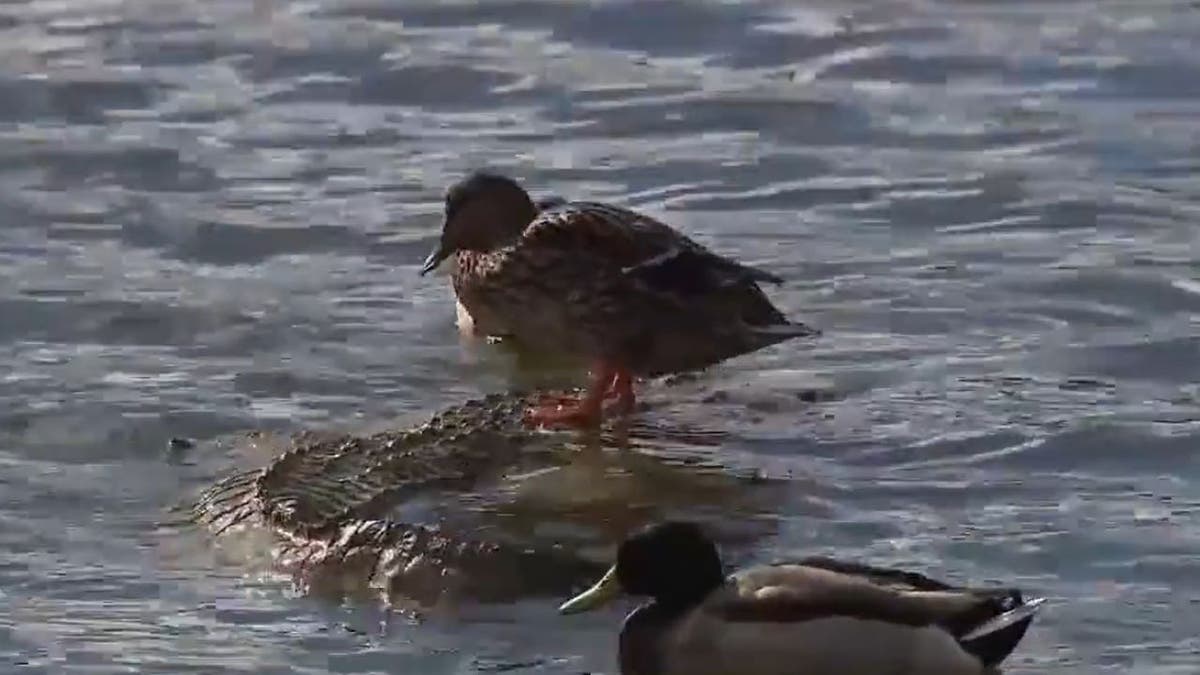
point(213, 214)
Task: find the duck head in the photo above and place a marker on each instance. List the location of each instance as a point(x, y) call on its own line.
point(673, 562)
point(484, 211)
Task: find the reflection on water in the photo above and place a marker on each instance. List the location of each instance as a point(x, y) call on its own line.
point(604, 493)
point(213, 214)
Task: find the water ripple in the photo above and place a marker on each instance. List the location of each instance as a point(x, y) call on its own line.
point(213, 214)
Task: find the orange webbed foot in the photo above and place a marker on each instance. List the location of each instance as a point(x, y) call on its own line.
point(608, 381)
point(579, 414)
point(622, 390)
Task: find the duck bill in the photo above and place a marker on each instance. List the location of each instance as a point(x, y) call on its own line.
point(434, 259)
point(598, 595)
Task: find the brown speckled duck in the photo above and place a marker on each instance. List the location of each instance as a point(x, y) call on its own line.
point(627, 292)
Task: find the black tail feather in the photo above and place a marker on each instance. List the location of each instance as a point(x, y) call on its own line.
point(993, 646)
point(785, 331)
point(693, 271)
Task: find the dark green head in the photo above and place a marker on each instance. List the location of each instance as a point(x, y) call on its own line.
point(484, 211)
point(673, 562)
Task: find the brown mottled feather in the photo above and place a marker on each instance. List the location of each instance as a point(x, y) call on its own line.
point(571, 282)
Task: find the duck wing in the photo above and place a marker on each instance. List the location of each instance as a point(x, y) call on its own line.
point(821, 587)
point(987, 622)
point(629, 285)
point(627, 252)
point(798, 592)
point(639, 247)
point(881, 576)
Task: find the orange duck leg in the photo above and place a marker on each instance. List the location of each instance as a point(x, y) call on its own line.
point(622, 388)
point(608, 380)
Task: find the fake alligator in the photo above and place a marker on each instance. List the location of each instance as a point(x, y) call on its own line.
point(329, 503)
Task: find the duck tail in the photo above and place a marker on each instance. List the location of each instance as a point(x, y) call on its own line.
point(736, 272)
point(778, 332)
point(993, 640)
point(687, 267)
point(749, 273)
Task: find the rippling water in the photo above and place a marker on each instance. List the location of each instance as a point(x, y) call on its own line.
point(213, 214)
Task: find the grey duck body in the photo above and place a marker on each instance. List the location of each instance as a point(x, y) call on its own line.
point(814, 616)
